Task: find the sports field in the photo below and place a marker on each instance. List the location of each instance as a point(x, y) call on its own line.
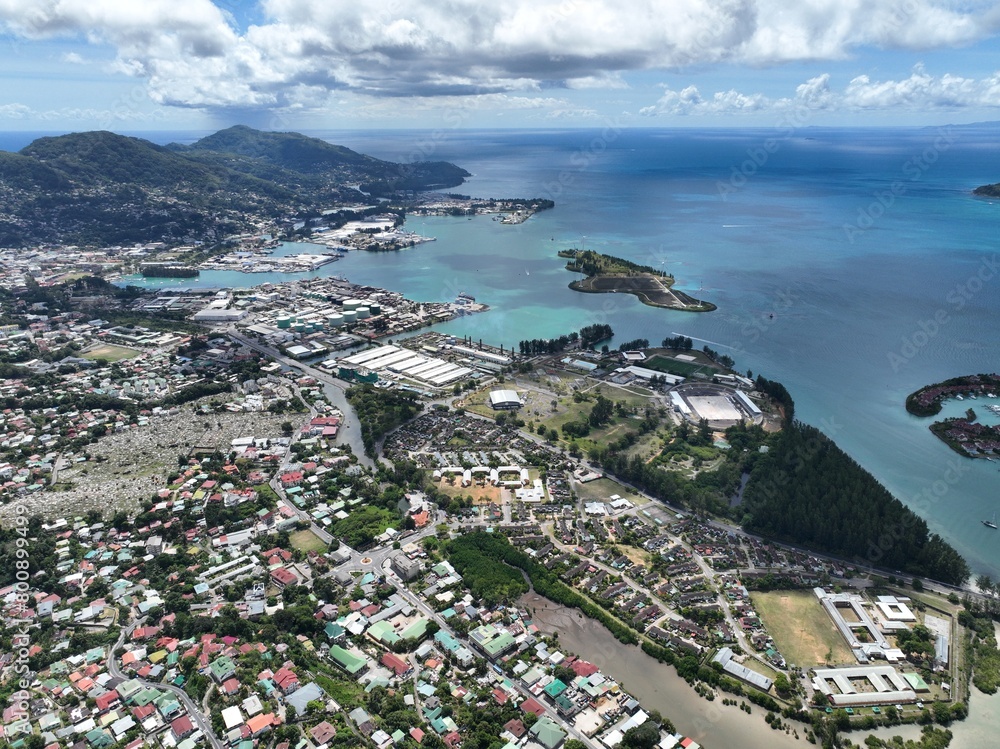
point(306, 540)
point(110, 353)
point(801, 628)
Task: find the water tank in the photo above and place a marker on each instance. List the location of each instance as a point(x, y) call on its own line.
point(298, 327)
point(350, 316)
point(375, 307)
point(335, 320)
point(284, 322)
point(352, 304)
point(363, 313)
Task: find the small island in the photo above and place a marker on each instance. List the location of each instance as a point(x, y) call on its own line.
point(965, 435)
point(607, 274)
point(988, 191)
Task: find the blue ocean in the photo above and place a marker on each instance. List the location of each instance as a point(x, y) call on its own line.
point(853, 265)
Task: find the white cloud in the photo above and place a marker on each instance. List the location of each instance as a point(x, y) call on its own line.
point(690, 102)
point(920, 92)
point(191, 54)
point(100, 117)
point(14, 111)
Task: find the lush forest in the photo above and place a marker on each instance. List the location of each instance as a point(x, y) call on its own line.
point(381, 411)
point(105, 188)
point(591, 263)
point(808, 491)
point(587, 337)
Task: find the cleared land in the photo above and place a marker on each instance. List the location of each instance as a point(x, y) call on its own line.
point(481, 495)
point(600, 490)
point(800, 628)
point(111, 353)
point(306, 540)
point(650, 289)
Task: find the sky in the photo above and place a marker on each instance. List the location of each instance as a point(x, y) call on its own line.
point(136, 65)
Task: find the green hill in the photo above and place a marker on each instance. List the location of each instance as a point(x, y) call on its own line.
point(104, 188)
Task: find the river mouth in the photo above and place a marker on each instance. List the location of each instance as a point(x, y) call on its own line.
point(714, 725)
point(656, 685)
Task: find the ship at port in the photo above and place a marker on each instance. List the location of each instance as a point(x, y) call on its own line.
point(167, 270)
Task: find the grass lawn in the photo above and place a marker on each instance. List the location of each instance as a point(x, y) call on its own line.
point(601, 489)
point(801, 628)
point(110, 352)
point(306, 540)
point(672, 366)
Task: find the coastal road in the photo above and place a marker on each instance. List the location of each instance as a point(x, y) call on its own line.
point(197, 716)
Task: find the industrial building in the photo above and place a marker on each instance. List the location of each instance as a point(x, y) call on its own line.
point(408, 364)
point(725, 658)
point(504, 400)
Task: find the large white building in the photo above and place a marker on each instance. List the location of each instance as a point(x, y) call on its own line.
point(504, 400)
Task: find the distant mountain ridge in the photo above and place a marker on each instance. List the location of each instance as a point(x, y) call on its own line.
point(103, 188)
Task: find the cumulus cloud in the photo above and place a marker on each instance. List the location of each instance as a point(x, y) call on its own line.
point(191, 53)
point(104, 117)
point(920, 92)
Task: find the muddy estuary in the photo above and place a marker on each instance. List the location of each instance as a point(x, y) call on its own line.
point(715, 726)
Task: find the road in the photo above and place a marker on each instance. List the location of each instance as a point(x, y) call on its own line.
point(419, 604)
point(350, 427)
point(196, 715)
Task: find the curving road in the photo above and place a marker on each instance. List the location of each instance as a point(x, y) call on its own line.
point(197, 717)
point(350, 431)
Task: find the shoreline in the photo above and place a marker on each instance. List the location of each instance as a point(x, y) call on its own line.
point(620, 284)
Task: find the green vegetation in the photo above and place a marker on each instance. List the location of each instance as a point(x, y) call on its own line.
point(360, 529)
point(982, 650)
point(103, 188)
point(381, 411)
point(988, 191)
point(110, 353)
point(587, 337)
point(591, 263)
point(306, 540)
point(808, 491)
point(479, 551)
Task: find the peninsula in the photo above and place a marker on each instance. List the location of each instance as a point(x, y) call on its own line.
point(965, 435)
point(607, 274)
point(988, 191)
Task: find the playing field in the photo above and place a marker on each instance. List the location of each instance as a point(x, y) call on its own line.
point(110, 353)
point(801, 629)
point(306, 540)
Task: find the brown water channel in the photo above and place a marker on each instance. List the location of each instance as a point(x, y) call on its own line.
point(657, 686)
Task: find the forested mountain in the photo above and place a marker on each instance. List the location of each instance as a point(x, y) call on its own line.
point(102, 188)
point(808, 491)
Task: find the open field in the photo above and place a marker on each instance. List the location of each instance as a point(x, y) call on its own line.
point(110, 352)
point(481, 495)
point(306, 540)
point(801, 629)
point(602, 489)
point(672, 366)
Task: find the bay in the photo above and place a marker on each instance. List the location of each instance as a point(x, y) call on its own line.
point(854, 265)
